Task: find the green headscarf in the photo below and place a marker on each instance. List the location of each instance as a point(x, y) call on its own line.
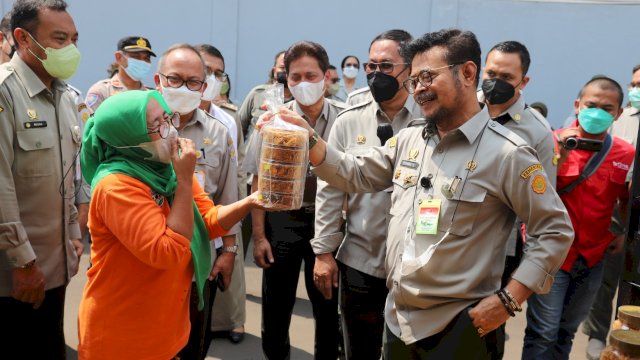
point(121, 120)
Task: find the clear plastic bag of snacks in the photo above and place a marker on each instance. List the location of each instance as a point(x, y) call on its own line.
point(284, 157)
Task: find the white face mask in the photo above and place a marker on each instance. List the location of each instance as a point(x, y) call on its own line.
point(160, 149)
point(307, 93)
point(350, 72)
point(213, 88)
point(181, 100)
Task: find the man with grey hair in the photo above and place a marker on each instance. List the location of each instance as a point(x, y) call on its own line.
point(181, 80)
point(39, 138)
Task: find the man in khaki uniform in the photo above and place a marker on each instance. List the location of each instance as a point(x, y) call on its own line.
point(228, 312)
point(39, 139)
point(250, 109)
point(361, 251)
point(281, 239)
point(458, 184)
point(181, 66)
point(504, 77)
point(133, 56)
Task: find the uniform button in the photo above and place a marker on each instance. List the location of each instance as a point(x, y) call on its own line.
point(64, 163)
point(395, 283)
point(38, 144)
point(440, 151)
point(492, 124)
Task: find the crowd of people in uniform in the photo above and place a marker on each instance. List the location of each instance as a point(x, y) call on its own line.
point(437, 201)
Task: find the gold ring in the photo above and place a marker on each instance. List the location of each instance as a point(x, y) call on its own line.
point(480, 331)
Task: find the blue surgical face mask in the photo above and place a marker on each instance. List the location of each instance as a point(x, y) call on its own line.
point(634, 97)
point(594, 120)
point(137, 69)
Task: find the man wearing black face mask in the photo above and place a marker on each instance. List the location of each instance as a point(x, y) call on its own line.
point(6, 39)
point(504, 77)
point(361, 251)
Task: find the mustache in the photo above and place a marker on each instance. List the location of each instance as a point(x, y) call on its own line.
point(424, 97)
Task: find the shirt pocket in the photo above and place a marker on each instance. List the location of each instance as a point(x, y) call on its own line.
point(405, 181)
point(460, 214)
point(618, 176)
point(35, 155)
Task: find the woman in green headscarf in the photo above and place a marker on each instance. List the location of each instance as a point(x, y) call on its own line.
point(150, 223)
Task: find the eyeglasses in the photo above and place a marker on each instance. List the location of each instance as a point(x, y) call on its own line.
point(335, 80)
point(425, 78)
point(220, 75)
point(165, 125)
point(176, 82)
point(385, 67)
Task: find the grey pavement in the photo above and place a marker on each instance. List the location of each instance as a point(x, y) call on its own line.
point(301, 331)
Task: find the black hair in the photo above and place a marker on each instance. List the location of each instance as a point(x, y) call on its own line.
point(604, 83)
point(635, 68)
point(275, 62)
point(331, 67)
point(460, 46)
point(210, 50)
point(24, 13)
point(347, 58)
point(514, 47)
point(306, 48)
point(400, 36)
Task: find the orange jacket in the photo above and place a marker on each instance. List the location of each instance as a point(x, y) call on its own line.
point(136, 301)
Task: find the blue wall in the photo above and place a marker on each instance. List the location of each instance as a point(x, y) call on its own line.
point(568, 42)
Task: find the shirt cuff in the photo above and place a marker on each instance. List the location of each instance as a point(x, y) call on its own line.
point(533, 276)
point(329, 166)
point(21, 255)
point(326, 243)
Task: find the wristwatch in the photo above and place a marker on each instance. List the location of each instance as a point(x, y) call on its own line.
point(313, 140)
point(231, 249)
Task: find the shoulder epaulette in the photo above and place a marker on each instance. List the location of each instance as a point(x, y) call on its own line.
point(506, 133)
point(229, 106)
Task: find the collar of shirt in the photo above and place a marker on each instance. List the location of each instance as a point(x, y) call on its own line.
point(31, 81)
point(633, 111)
point(198, 116)
point(410, 106)
point(321, 122)
point(516, 108)
point(474, 126)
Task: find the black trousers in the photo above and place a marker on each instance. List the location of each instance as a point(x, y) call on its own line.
point(28, 334)
point(362, 299)
point(458, 341)
point(199, 337)
point(289, 234)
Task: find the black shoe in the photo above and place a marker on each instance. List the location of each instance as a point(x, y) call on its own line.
point(236, 337)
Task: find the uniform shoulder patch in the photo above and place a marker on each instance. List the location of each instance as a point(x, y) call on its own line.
point(91, 99)
point(530, 170)
point(539, 184)
point(507, 134)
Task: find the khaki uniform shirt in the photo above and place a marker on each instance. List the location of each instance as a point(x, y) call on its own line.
point(535, 130)
point(216, 167)
point(250, 109)
point(101, 90)
point(323, 126)
point(227, 111)
point(360, 96)
point(492, 176)
point(363, 247)
point(626, 127)
point(39, 139)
